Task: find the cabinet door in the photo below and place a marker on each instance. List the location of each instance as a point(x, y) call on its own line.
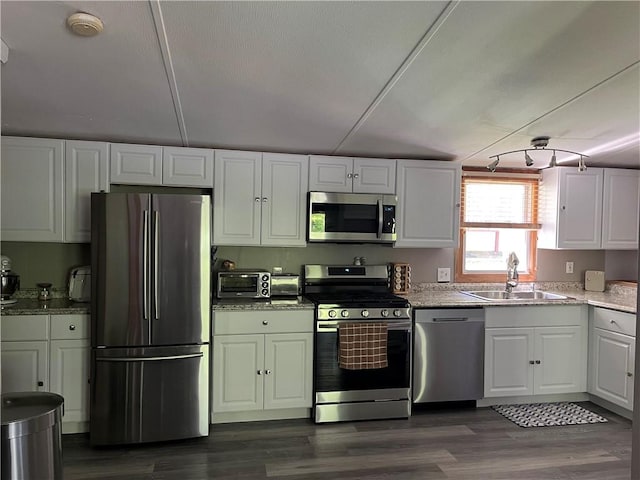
point(70, 377)
point(580, 208)
point(559, 364)
point(238, 373)
point(237, 194)
point(289, 370)
point(620, 209)
point(508, 356)
point(613, 367)
point(374, 175)
point(187, 167)
point(284, 199)
point(428, 211)
point(86, 170)
point(136, 164)
point(330, 174)
point(32, 189)
point(25, 366)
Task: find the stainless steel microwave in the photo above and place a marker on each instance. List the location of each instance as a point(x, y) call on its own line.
point(351, 217)
point(244, 284)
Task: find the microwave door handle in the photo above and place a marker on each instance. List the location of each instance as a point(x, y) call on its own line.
point(380, 216)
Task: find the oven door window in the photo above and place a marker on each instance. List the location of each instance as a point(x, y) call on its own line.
point(239, 284)
point(329, 377)
point(344, 218)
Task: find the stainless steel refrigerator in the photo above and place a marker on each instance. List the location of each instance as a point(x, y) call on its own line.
point(150, 317)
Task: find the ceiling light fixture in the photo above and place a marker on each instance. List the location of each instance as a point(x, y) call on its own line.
point(538, 143)
point(85, 24)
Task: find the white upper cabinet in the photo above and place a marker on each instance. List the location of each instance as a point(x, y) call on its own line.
point(136, 164)
point(284, 193)
point(259, 199)
point(351, 175)
point(32, 189)
point(428, 212)
point(571, 208)
point(620, 209)
point(86, 170)
point(155, 165)
point(187, 167)
point(594, 209)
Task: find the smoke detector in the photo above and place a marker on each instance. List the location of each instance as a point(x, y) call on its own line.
point(85, 24)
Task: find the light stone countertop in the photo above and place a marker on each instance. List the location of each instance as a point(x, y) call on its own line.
point(293, 303)
point(449, 295)
point(54, 306)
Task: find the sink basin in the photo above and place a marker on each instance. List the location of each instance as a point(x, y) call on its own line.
point(502, 295)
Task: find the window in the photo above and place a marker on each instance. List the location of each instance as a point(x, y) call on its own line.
point(499, 215)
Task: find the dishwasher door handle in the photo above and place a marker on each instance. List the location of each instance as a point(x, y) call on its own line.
point(451, 319)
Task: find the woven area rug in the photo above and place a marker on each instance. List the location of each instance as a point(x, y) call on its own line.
point(548, 414)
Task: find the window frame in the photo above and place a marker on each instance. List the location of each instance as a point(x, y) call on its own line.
point(517, 176)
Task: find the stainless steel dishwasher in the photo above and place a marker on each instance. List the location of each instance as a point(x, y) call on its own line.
point(448, 355)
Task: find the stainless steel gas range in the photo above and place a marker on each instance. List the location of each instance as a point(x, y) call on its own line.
point(362, 354)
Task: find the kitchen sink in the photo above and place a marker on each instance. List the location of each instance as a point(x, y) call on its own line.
point(503, 295)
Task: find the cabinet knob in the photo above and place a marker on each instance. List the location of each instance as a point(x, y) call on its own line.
point(563, 208)
point(268, 371)
point(538, 362)
point(265, 199)
point(612, 321)
point(40, 383)
point(531, 362)
point(349, 175)
point(629, 374)
point(264, 322)
point(259, 372)
point(257, 199)
point(356, 175)
point(72, 327)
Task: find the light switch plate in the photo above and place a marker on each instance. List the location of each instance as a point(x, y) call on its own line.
point(569, 267)
point(444, 274)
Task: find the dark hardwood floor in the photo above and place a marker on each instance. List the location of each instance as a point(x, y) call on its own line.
point(444, 444)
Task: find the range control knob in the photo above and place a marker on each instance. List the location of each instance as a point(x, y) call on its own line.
point(344, 313)
point(364, 313)
point(384, 313)
point(332, 313)
point(397, 313)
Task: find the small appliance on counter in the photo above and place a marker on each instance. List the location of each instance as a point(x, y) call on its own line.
point(80, 284)
point(244, 283)
point(285, 285)
point(594, 281)
point(10, 281)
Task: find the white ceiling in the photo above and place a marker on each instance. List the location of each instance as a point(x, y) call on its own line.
point(435, 80)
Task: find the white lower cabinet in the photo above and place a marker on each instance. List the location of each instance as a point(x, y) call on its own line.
point(49, 353)
point(535, 350)
point(262, 365)
point(612, 356)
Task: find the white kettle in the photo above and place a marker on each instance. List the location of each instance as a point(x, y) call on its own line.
point(80, 284)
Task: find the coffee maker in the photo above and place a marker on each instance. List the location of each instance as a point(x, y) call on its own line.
point(10, 281)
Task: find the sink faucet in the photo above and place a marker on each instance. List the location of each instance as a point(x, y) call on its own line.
point(512, 271)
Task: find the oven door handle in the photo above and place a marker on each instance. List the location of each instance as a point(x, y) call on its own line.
point(331, 326)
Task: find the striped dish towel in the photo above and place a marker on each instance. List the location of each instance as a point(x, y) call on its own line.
point(362, 346)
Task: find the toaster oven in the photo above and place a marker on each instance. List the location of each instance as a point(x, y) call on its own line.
point(244, 284)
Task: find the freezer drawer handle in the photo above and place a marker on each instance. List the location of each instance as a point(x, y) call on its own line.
point(147, 359)
point(455, 319)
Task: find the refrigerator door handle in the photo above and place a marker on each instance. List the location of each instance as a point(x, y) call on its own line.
point(156, 241)
point(145, 266)
point(147, 359)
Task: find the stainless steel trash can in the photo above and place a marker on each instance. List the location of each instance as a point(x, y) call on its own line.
point(31, 436)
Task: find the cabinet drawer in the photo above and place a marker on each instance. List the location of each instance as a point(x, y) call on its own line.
point(261, 321)
point(69, 327)
point(614, 321)
point(25, 327)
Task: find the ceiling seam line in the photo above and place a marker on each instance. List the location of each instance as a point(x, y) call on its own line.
point(553, 110)
point(161, 33)
point(415, 52)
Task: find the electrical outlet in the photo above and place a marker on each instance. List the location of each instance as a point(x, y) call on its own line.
point(569, 267)
point(444, 274)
